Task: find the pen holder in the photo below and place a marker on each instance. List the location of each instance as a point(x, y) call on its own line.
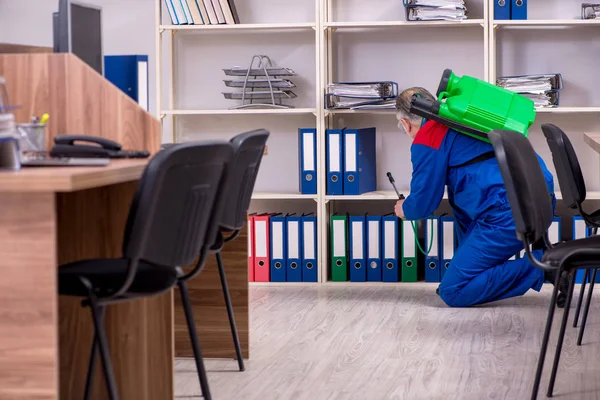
point(32, 138)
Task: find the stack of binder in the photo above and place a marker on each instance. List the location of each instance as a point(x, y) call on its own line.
point(435, 10)
point(262, 85)
point(510, 9)
point(543, 89)
point(202, 12)
point(361, 95)
point(282, 248)
point(351, 161)
point(384, 249)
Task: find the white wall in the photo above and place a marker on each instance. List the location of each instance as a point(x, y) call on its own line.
point(128, 28)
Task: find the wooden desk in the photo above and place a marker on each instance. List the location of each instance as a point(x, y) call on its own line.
point(50, 216)
point(593, 140)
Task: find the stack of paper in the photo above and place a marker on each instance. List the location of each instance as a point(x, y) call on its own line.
point(542, 89)
point(361, 95)
point(435, 10)
point(590, 11)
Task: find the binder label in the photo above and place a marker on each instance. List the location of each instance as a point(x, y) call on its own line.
point(390, 239)
point(308, 152)
point(579, 229)
point(357, 239)
point(309, 240)
point(339, 241)
point(434, 245)
point(373, 239)
point(277, 237)
point(260, 238)
point(293, 251)
point(448, 239)
point(334, 155)
point(409, 240)
point(351, 152)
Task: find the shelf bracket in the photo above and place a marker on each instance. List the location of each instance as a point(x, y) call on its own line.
point(315, 113)
point(495, 26)
point(162, 116)
point(326, 201)
point(482, 25)
point(161, 30)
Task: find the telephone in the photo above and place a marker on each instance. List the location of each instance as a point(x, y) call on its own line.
point(95, 147)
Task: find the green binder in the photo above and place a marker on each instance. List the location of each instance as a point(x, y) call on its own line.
point(409, 252)
point(339, 260)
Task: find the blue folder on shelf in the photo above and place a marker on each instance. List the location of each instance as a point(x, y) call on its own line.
point(278, 240)
point(502, 9)
point(309, 245)
point(360, 164)
point(294, 249)
point(518, 9)
point(307, 160)
point(432, 259)
point(448, 243)
point(335, 172)
point(390, 239)
point(358, 261)
point(374, 241)
point(130, 74)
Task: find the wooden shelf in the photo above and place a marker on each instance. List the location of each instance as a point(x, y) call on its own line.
point(282, 196)
point(546, 22)
point(239, 27)
point(241, 111)
point(407, 24)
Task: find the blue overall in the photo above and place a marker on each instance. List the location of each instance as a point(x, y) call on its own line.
point(480, 271)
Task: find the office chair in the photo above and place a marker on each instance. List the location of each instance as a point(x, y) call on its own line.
point(572, 186)
point(248, 149)
point(174, 217)
point(531, 207)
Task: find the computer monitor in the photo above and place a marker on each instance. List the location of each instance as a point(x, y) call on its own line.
point(78, 30)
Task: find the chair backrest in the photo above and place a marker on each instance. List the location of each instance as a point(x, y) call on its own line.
point(568, 170)
point(173, 215)
point(248, 151)
point(525, 184)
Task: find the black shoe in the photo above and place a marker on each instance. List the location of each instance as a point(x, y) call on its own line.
point(563, 286)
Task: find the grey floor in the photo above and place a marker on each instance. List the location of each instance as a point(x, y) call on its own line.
point(380, 343)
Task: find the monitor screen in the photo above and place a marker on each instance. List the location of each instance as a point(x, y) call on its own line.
point(86, 35)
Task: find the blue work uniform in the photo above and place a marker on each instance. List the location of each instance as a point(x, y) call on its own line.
point(480, 271)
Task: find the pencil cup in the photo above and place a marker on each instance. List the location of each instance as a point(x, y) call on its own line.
point(32, 138)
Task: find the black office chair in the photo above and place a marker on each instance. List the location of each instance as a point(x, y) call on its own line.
point(572, 186)
point(174, 217)
point(532, 211)
point(248, 151)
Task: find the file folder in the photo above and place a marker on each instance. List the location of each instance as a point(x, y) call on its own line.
point(261, 248)
point(360, 171)
point(432, 258)
point(373, 248)
point(278, 248)
point(339, 264)
point(130, 74)
point(294, 238)
point(309, 256)
point(335, 174)
point(502, 9)
point(251, 248)
point(518, 9)
point(358, 259)
point(448, 243)
point(389, 238)
point(308, 160)
point(409, 253)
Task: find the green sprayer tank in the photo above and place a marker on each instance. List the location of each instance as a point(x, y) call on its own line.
point(475, 107)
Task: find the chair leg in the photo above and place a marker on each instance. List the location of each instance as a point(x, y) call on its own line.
point(103, 347)
point(549, 318)
point(234, 333)
point(586, 309)
point(92, 364)
point(185, 299)
point(561, 335)
point(586, 275)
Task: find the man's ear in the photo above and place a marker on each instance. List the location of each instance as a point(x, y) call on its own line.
point(406, 124)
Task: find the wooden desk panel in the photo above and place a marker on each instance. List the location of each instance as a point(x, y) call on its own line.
point(593, 140)
point(208, 304)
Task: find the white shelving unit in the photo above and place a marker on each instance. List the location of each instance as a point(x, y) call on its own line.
point(334, 40)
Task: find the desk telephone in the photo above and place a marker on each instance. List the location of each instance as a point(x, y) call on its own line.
point(97, 147)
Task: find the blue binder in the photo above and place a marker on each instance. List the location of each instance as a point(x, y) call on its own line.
point(374, 241)
point(432, 243)
point(518, 9)
point(307, 159)
point(294, 248)
point(360, 165)
point(335, 172)
point(447, 243)
point(309, 246)
point(502, 9)
point(358, 257)
point(130, 74)
point(389, 239)
point(278, 239)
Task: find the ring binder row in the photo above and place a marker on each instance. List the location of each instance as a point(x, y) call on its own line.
point(543, 89)
point(262, 82)
point(590, 10)
point(510, 9)
point(435, 10)
point(361, 95)
point(282, 248)
point(383, 248)
point(202, 12)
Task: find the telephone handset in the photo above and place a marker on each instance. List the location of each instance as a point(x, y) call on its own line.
point(92, 147)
